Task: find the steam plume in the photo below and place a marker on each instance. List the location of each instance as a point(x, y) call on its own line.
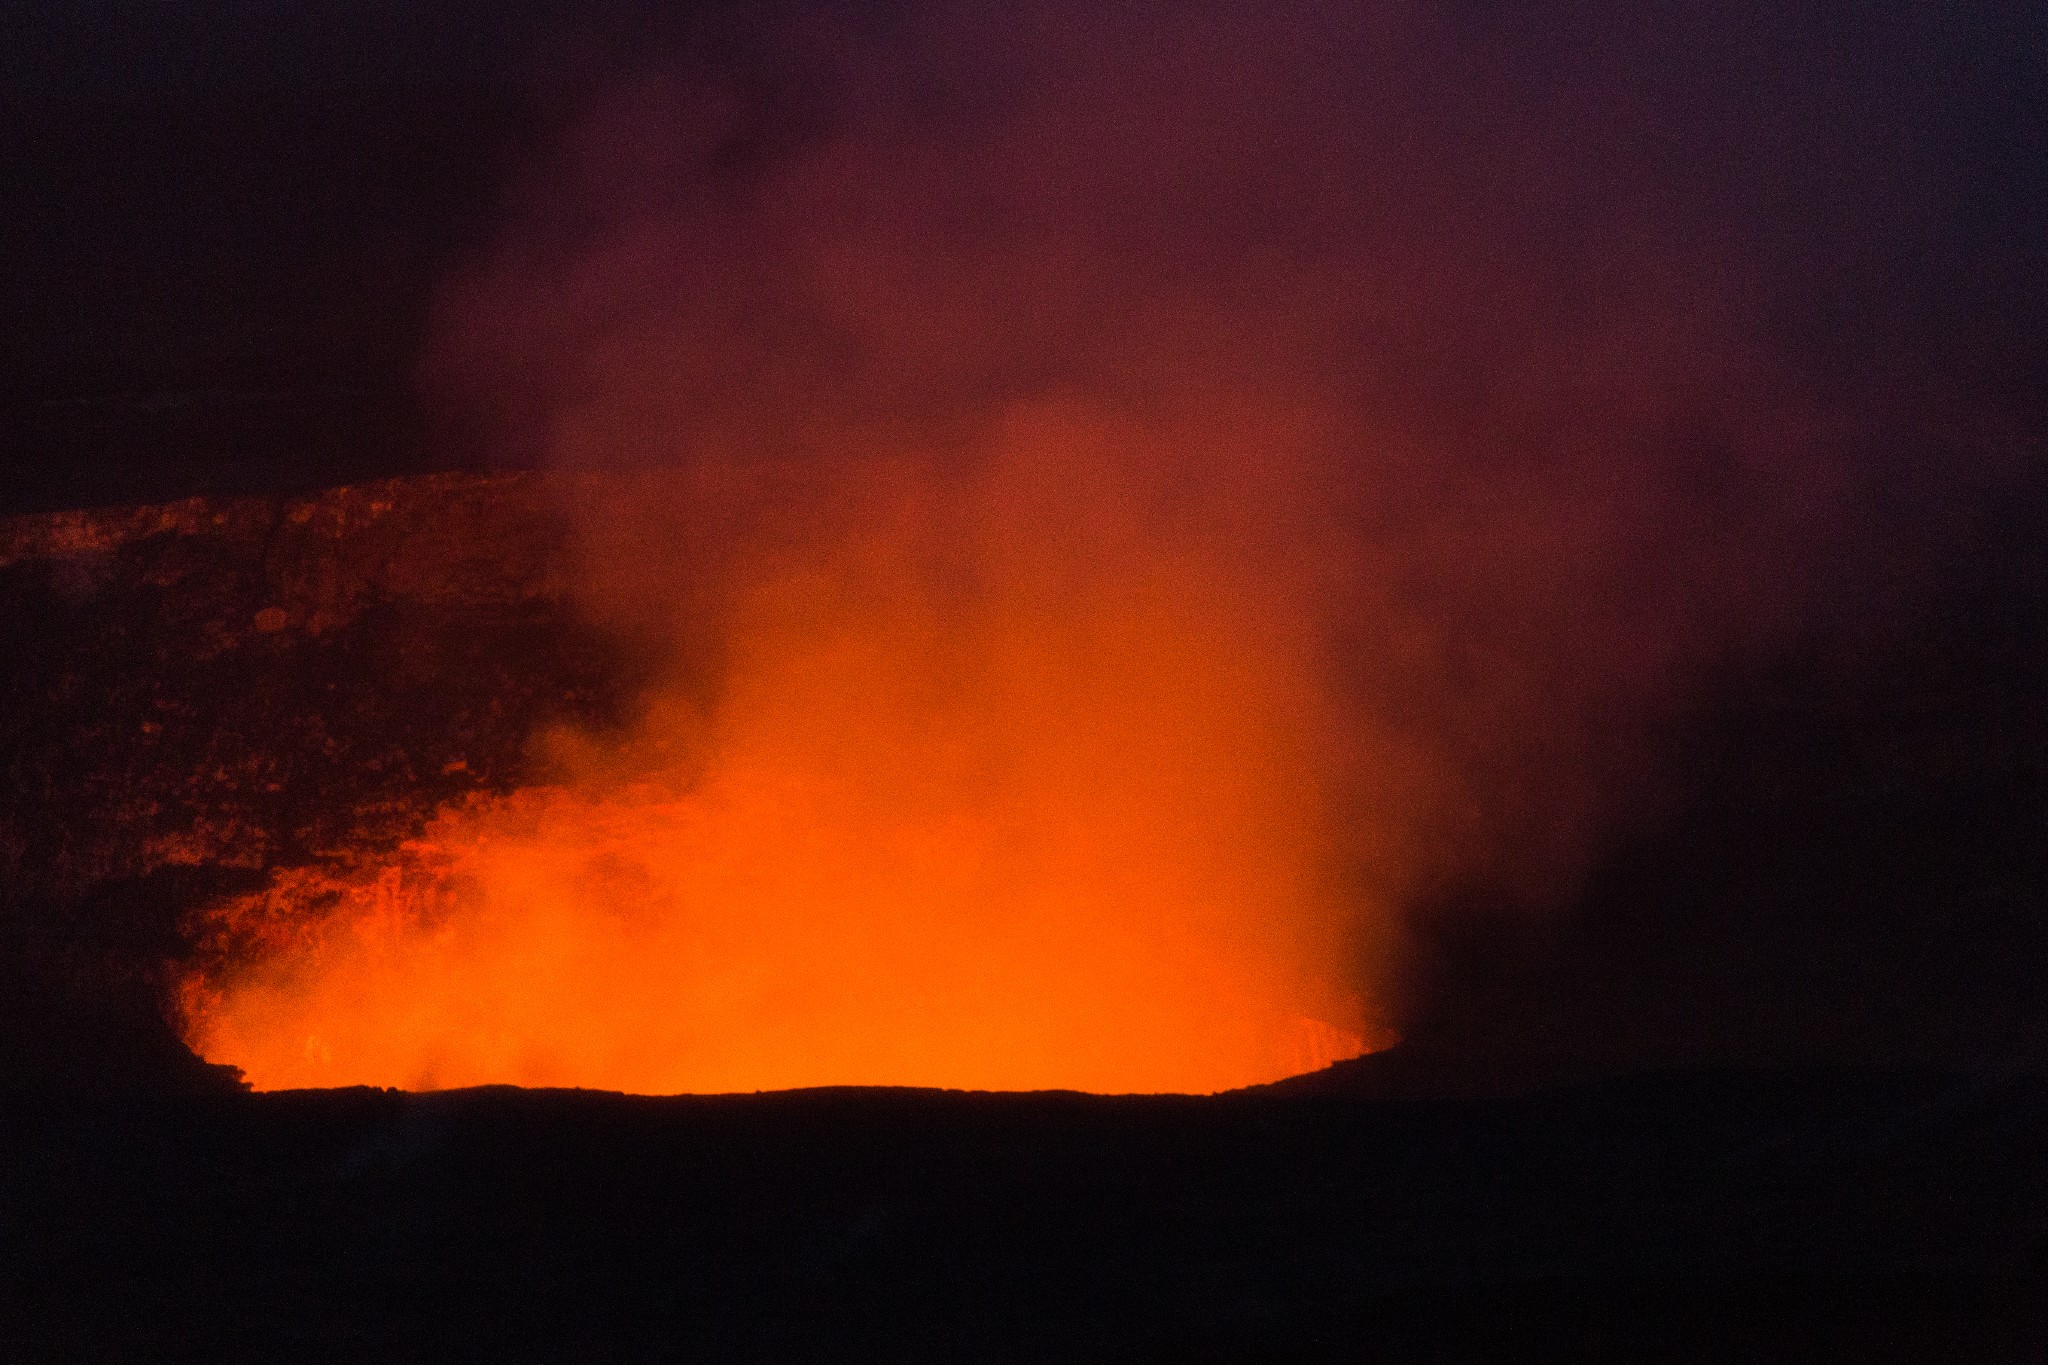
point(1130, 496)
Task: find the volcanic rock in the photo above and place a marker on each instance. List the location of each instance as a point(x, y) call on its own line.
point(204, 691)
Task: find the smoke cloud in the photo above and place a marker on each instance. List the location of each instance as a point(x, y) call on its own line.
point(1132, 499)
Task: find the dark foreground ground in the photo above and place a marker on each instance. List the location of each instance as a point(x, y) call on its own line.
point(1815, 1215)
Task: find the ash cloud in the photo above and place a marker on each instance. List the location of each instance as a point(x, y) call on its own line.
point(1484, 377)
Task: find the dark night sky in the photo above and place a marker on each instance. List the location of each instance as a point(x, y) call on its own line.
point(223, 227)
point(222, 223)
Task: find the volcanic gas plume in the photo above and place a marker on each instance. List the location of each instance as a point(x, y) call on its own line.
point(1127, 500)
point(1021, 778)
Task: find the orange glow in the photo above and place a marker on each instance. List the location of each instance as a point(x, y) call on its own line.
point(1019, 782)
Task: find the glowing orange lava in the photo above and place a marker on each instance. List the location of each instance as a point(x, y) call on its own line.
point(743, 940)
point(1060, 827)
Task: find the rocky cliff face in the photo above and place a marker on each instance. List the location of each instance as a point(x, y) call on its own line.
point(199, 692)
